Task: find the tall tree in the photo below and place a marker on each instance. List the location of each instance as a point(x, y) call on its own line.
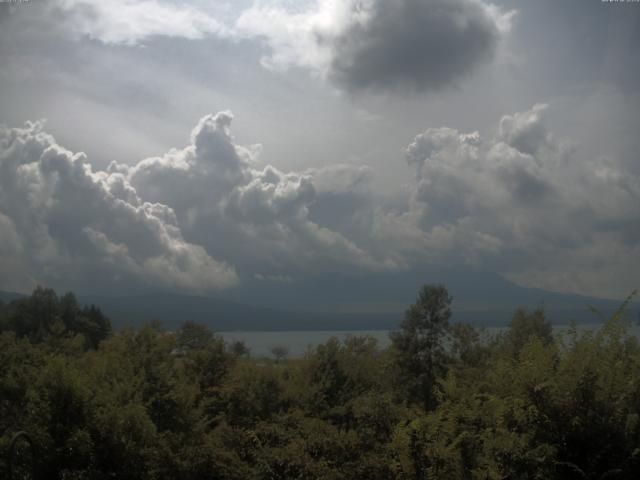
point(419, 344)
point(525, 327)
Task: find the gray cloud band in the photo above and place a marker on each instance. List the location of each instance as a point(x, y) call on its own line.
point(518, 202)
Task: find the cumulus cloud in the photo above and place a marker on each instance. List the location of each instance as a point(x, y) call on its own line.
point(132, 21)
point(63, 224)
point(255, 216)
point(380, 44)
point(190, 219)
point(519, 201)
point(524, 203)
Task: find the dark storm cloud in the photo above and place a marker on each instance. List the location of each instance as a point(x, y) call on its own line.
point(381, 44)
point(422, 44)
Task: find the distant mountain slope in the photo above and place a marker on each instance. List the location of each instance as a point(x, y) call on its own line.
point(478, 297)
point(223, 315)
point(9, 296)
point(470, 289)
point(345, 303)
point(348, 303)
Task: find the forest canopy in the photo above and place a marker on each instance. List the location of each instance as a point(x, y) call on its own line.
point(445, 400)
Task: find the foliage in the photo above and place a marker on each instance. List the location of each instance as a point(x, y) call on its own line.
point(419, 344)
point(444, 401)
point(279, 352)
point(44, 316)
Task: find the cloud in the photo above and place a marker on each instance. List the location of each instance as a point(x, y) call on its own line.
point(379, 44)
point(255, 216)
point(526, 131)
point(519, 201)
point(192, 219)
point(70, 225)
point(523, 203)
point(129, 22)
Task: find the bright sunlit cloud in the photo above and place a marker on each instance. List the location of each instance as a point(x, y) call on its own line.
point(132, 21)
point(194, 216)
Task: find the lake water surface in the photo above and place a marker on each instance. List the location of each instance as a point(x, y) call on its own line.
point(260, 343)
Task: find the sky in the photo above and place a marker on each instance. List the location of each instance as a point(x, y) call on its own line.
point(192, 146)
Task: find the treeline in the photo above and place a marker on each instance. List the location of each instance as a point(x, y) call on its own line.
point(445, 401)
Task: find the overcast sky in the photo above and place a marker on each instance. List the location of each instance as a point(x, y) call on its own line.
point(189, 145)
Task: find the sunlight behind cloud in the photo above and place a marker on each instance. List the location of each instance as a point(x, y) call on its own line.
point(379, 45)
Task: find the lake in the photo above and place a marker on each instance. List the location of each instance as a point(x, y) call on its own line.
point(260, 343)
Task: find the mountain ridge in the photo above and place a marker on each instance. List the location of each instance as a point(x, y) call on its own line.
point(338, 303)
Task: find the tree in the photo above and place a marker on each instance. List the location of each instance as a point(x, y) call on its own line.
point(280, 352)
point(194, 336)
point(44, 315)
point(94, 325)
point(239, 349)
point(37, 316)
point(89, 320)
point(467, 346)
point(419, 348)
point(525, 327)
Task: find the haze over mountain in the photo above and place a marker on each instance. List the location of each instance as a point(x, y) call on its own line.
point(345, 303)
